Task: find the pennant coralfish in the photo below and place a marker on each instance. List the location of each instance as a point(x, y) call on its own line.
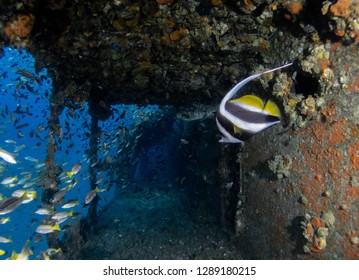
point(241, 118)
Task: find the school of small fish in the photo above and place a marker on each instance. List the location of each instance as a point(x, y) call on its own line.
point(23, 139)
point(23, 135)
point(61, 206)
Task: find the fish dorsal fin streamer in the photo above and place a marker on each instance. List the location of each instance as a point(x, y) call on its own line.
point(250, 100)
point(238, 86)
point(272, 109)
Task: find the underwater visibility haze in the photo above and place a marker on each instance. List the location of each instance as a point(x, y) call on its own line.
point(142, 158)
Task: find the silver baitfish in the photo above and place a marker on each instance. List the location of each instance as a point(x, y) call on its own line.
point(10, 204)
point(241, 118)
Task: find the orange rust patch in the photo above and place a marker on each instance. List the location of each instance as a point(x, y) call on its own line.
point(353, 152)
point(355, 35)
point(178, 34)
point(353, 193)
point(294, 7)
point(317, 223)
point(165, 40)
point(175, 35)
point(321, 157)
point(314, 249)
point(273, 6)
point(19, 26)
point(351, 250)
point(287, 16)
point(341, 8)
point(323, 63)
point(354, 86)
point(339, 32)
point(328, 161)
point(309, 230)
point(216, 2)
point(169, 22)
point(248, 5)
point(355, 131)
point(163, 2)
point(330, 111)
point(336, 46)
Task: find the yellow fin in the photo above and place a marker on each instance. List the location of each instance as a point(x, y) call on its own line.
point(24, 196)
point(14, 256)
point(272, 109)
point(237, 130)
point(45, 256)
point(33, 195)
point(56, 227)
point(70, 174)
point(250, 100)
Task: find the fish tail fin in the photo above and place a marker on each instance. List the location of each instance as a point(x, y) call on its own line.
point(33, 195)
point(14, 256)
point(70, 174)
point(26, 249)
point(56, 227)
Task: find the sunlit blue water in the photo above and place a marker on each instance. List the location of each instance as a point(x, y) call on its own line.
point(24, 111)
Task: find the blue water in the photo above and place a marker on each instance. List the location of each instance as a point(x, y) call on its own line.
point(25, 100)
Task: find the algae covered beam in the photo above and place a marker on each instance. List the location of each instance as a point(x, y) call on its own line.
point(49, 177)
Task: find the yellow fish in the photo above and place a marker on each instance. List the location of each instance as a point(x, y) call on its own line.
point(5, 240)
point(24, 254)
point(8, 180)
point(10, 204)
point(75, 169)
point(45, 229)
point(92, 194)
point(7, 156)
point(4, 220)
point(241, 118)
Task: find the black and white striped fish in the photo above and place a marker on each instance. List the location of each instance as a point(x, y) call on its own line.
point(241, 118)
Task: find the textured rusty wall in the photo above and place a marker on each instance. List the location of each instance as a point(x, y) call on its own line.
point(168, 51)
point(302, 184)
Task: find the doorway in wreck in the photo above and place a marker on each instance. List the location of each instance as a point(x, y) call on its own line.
point(142, 182)
point(169, 201)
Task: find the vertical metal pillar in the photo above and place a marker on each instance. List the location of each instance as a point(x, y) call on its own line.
point(49, 176)
point(92, 168)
